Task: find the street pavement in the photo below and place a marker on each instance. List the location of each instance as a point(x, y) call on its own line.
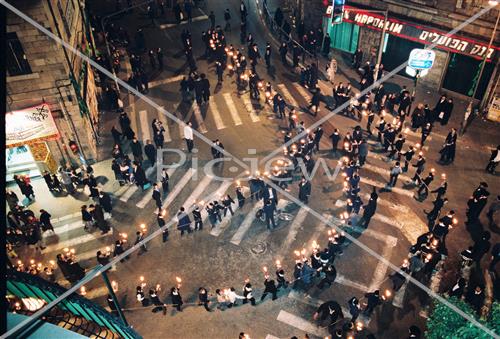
point(241, 246)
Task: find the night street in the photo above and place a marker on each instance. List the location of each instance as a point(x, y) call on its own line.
point(352, 223)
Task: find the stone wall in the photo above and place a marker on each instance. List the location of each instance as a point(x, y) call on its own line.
point(435, 76)
point(49, 70)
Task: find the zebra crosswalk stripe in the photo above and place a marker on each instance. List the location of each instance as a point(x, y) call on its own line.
point(379, 184)
point(301, 324)
point(232, 108)
point(287, 95)
point(163, 118)
point(148, 196)
point(294, 229)
point(249, 107)
point(178, 187)
point(144, 132)
point(198, 191)
point(212, 105)
point(75, 241)
point(199, 118)
point(245, 225)
point(303, 92)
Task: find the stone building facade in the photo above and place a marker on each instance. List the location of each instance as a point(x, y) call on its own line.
point(417, 24)
point(40, 71)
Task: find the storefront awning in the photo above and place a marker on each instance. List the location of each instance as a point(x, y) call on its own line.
point(418, 33)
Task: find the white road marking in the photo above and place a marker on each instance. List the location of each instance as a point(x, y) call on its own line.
point(287, 95)
point(232, 108)
point(199, 118)
point(380, 217)
point(149, 196)
point(64, 228)
point(384, 172)
point(293, 229)
point(379, 184)
point(340, 279)
point(128, 193)
point(400, 295)
point(215, 196)
point(301, 324)
point(302, 91)
point(166, 81)
point(197, 191)
point(65, 217)
point(270, 336)
point(215, 112)
point(163, 118)
point(381, 269)
point(246, 224)
point(178, 187)
point(180, 124)
point(307, 299)
point(197, 18)
point(75, 241)
point(145, 132)
point(249, 107)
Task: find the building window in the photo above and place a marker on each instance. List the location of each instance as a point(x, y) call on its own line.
point(66, 15)
point(17, 64)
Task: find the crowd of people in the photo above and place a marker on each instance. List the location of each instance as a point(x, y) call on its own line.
point(387, 112)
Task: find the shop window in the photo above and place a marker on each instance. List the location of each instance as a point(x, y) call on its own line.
point(17, 63)
point(462, 75)
point(396, 52)
point(344, 36)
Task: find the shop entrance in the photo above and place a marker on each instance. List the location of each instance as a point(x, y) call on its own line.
point(20, 161)
point(396, 52)
point(462, 75)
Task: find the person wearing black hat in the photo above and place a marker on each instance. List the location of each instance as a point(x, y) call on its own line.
point(373, 300)
point(247, 293)
point(269, 287)
point(176, 298)
point(198, 221)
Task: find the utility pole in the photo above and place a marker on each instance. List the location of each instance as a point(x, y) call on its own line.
point(381, 47)
point(113, 296)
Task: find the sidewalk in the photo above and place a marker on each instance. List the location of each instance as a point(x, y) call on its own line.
point(481, 134)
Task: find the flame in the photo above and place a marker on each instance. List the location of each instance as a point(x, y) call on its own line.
point(141, 278)
point(179, 280)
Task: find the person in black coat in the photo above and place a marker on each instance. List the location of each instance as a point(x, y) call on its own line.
point(493, 162)
point(105, 202)
point(136, 148)
point(335, 137)
point(369, 209)
point(440, 108)
point(304, 190)
point(159, 139)
point(240, 197)
point(327, 41)
point(330, 308)
point(269, 208)
point(117, 136)
point(226, 202)
point(269, 287)
point(157, 196)
point(176, 298)
point(150, 152)
point(125, 126)
point(184, 222)
point(45, 221)
point(448, 109)
point(373, 300)
point(270, 194)
point(139, 175)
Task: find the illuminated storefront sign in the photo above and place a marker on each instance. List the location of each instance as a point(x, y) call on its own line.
point(29, 125)
point(425, 35)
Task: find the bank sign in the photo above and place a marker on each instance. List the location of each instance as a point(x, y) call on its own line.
point(421, 34)
point(421, 59)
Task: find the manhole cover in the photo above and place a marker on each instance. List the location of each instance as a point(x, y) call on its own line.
point(285, 216)
point(259, 248)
